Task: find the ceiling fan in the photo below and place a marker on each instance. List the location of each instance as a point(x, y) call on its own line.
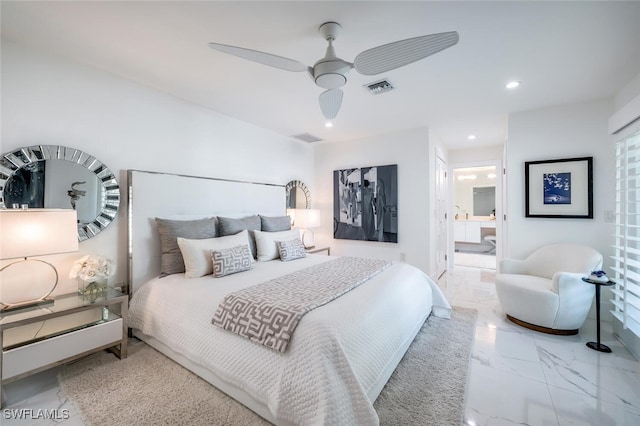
point(330, 72)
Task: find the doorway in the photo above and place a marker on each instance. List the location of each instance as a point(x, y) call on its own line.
point(475, 193)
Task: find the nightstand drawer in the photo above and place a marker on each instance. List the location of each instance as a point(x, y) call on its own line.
point(57, 349)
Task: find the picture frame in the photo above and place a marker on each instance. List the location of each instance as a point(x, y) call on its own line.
point(561, 188)
point(365, 203)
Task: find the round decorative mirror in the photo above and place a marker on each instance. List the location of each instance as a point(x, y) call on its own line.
point(298, 196)
point(55, 176)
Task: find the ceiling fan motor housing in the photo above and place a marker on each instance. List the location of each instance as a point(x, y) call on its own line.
point(330, 73)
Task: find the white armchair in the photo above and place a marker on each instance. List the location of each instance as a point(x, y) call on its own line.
point(545, 292)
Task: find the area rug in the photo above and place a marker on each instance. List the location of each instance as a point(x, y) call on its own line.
point(147, 388)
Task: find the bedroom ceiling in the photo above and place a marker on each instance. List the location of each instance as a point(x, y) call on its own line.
point(562, 52)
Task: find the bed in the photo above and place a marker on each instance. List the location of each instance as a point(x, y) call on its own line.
point(341, 354)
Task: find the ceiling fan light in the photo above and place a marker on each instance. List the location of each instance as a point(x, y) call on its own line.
point(331, 80)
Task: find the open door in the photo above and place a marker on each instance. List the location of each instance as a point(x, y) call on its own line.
point(441, 217)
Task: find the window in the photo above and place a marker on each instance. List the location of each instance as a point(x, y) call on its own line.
point(626, 294)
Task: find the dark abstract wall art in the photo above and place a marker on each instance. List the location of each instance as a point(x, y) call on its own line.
point(365, 203)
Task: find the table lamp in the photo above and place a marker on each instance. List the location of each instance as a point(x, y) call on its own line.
point(306, 219)
point(25, 233)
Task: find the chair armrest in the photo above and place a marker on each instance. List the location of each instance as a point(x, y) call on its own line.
point(574, 299)
point(513, 266)
point(566, 283)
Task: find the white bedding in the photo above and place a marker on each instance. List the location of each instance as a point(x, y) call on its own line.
point(331, 371)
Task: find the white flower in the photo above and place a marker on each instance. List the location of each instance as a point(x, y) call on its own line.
point(89, 267)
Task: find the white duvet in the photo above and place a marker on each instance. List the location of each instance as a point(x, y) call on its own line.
point(331, 371)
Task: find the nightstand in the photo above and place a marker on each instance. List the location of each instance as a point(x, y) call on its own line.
point(314, 250)
point(72, 327)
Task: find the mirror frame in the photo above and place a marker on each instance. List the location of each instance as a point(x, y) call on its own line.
point(13, 161)
point(294, 184)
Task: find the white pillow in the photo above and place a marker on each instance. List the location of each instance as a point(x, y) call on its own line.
point(266, 243)
point(197, 253)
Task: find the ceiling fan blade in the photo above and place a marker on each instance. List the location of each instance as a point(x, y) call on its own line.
point(261, 57)
point(400, 53)
point(330, 101)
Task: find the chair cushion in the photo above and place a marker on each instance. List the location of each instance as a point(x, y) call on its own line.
point(525, 282)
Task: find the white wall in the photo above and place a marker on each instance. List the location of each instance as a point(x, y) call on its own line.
point(627, 93)
point(410, 151)
point(567, 131)
point(476, 155)
point(50, 100)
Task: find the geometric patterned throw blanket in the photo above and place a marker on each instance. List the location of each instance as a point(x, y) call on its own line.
point(268, 313)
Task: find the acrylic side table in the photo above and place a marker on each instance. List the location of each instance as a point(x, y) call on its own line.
point(597, 345)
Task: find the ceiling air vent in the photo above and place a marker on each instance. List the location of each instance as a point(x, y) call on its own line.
point(379, 87)
point(306, 137)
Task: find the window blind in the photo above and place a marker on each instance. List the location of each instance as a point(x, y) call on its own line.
point(626, 294)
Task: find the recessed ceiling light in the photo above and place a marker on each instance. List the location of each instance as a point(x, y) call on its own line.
point(328, 124)
point(471, 137)
point(512, 84)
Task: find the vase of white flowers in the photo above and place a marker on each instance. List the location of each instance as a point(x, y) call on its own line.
point(92, 273)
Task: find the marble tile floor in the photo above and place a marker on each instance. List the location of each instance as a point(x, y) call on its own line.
point(475, 260)
point(516, 376)
point(521, 377)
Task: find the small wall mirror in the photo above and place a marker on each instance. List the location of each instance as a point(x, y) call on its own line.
point(298, 196)
point(484, 200)
point(55, 176)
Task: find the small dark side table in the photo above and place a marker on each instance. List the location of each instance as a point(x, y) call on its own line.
point(597, 345)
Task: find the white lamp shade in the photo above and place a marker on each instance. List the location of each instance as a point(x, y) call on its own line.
point(37, 232)
point(306, 218)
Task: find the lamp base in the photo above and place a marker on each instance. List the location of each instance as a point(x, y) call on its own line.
point(308, 239)
point(42, 300)
point(29, 303)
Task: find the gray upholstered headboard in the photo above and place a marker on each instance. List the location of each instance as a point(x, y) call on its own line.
point(153, 194)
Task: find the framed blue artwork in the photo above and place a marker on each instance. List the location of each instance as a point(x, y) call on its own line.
point(560, 188)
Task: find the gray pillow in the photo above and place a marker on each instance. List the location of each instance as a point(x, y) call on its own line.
point(231, 260)
point(169, 230)
point(231, 226)
point(291, 250)
point(275, 224)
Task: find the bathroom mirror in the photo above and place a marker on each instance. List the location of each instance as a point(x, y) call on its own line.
point(474, 189)
point(298, 196)
point(484, 200)
point(55, 176)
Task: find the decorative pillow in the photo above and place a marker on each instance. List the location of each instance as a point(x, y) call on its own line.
point(266, 243)
point(197, 253)
point(231, 226)
point(169, 230)
point(275, 224)
point(231, 260)
point(291, 250)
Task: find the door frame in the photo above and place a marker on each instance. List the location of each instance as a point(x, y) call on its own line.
point(499, 206)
